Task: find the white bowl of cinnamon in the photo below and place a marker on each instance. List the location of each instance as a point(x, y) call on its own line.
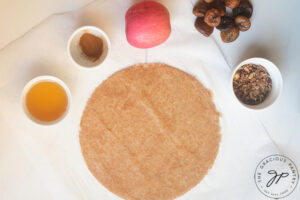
point(88, 46)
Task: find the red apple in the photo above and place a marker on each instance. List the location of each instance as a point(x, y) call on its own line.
point(147, 24)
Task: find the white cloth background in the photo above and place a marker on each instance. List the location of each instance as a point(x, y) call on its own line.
point(38, 162)
point(19, 16)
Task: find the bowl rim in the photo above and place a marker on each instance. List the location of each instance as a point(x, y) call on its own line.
point(258, 60)
point(35, 81)
point(79, 30)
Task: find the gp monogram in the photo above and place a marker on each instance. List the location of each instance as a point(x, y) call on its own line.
point(276, 176)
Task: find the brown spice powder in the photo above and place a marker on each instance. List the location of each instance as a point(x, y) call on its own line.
point(91, 46)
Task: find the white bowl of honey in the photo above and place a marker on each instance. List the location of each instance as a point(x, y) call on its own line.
point(46, 100)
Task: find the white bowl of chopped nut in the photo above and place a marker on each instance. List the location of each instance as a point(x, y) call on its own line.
point(256, 83)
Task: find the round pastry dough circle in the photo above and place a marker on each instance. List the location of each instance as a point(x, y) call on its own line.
point(149, 132)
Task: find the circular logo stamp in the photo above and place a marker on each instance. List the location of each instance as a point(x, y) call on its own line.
point(276, 176)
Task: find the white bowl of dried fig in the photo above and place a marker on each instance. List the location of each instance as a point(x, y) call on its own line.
point(256, 83)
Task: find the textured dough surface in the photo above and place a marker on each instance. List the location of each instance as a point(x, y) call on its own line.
point(150, 132)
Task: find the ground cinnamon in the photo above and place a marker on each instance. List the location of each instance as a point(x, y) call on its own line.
point(91, 46)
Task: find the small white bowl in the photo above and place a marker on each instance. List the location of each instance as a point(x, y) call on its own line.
point(75, 53)
point(275, 75)
point(39, 79)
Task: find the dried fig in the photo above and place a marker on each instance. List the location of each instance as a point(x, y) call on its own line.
point(220, 6)
point(242, 22)
point(208, 1)
point(231, 35)
point(212, 17)
point(200, 8)
point(227, 23)
point(245, 8)
point(232, 3)
point(202, 27)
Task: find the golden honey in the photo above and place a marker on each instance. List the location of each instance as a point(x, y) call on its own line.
point(46, 101)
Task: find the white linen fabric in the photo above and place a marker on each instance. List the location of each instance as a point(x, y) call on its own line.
point(45, 162)
point(18, 17)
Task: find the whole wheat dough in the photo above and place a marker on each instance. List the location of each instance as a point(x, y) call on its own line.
point(150, 132)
